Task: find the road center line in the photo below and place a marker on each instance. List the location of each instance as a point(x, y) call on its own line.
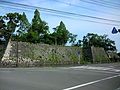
point(89, 83)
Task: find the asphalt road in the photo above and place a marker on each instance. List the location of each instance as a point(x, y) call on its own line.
point(90, 77)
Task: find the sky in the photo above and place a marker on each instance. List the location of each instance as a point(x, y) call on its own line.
point(76, 24)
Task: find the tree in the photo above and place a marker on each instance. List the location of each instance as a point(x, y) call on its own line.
point(98, 41)
point(61, 34)
point(72, 38)
point(9, 24)
point(33, 37)
point(118, 54)
point(24, 25)
point(13, 21)
point(38, 25)
point(79, 43)
point(36, 22)
point(18, 26)
point(2, 25)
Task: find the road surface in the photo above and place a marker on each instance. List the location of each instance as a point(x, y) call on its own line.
point(89, 77)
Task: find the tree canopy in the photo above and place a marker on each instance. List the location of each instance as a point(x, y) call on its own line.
point(61, 34)
point(38, 32)
point(38, 25)
point(98, 41)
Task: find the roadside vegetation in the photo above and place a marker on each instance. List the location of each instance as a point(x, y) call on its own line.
point(17, 27)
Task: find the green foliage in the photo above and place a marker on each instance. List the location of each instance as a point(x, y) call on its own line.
point(61, 34)
point(98, 41)
point(54, 58)
point(2, 23)
point(72, 38)
point(48, 39)
point(33, 37)
point(79, 43)
point(74, 58)
point(38, 31)
point(35, 33)
point(118, 54)
point(18, 26)
point(84, 62)
point(38, 25)
point(24, 25)
point(13, 21)
point(10, 23)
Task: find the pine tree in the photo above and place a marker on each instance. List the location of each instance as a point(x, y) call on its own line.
point(24, 24)
point(36, 22)
point(61, 34)
point(40, 27)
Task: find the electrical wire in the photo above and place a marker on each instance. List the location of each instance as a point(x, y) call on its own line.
point(105, 3)
point(100, 4)
point(94, 10)
point(111, 2)
point(57, 15)
point(60, 12)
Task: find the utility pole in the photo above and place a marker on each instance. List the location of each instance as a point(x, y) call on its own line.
point(17, 53)
point(78, 57)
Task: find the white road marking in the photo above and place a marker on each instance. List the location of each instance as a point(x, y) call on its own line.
point(96, 68)
point(89, 83)
point(100, 71)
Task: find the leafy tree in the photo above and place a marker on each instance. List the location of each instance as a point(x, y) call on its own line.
point(33, 37)
point(72, 38)
point(79, 43)
point(13, 21)
point(9, 22)
point(49, 39)
point(36, 32)
point(61, 34)
point(118, 54)
point(2, 25)
point(98, 41)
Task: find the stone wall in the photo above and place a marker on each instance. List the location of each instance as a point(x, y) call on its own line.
point(41, 54)
point(7, 51)
point(99, 55)
point(113, 56)
point(24, 54)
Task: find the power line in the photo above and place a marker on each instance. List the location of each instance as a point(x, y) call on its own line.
point(60, 12)
point(106, 3)
point(104, 12)
point(14, 8)
point(68, 17)
point(111, 2)
point(100, 4)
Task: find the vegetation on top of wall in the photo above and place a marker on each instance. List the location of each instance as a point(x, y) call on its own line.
point(17, 27)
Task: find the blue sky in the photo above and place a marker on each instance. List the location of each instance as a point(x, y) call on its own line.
point(78, 25)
